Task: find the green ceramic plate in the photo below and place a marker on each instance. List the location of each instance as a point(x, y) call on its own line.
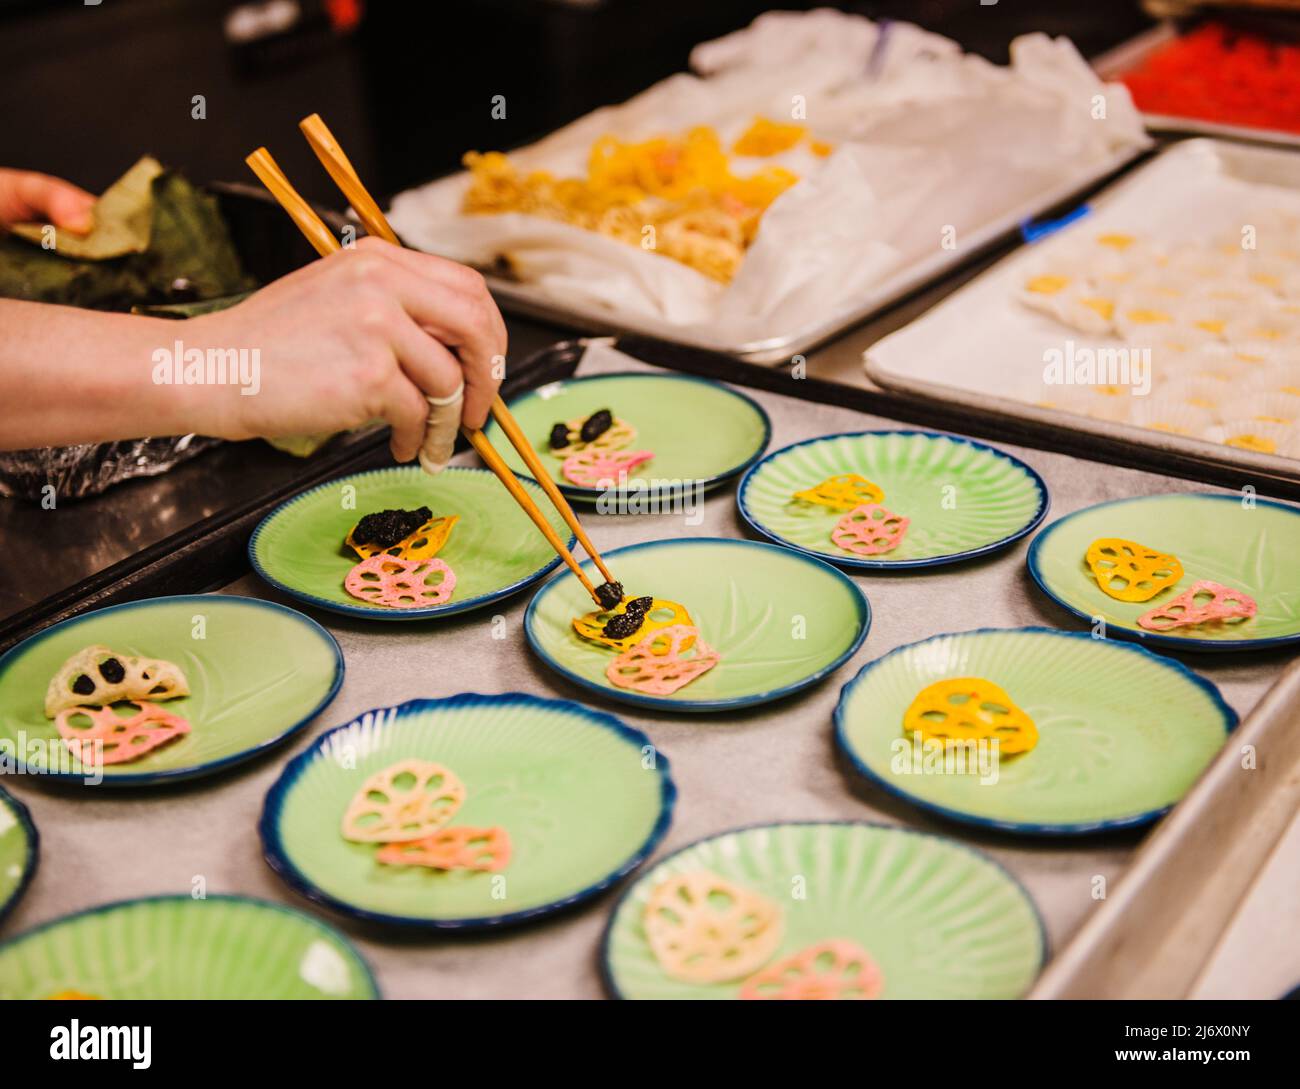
point(19, 849)
point(964, 499)
point(1250, 548)
point(583, 798)
point(258, 673)
point(494, 549)
point(781, 621)
point(701, 432)
point(1122, 732)
point(940, 920)
point(175, 947)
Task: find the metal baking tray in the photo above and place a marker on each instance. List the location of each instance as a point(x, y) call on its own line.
point(1115, 62)
point(982, 326)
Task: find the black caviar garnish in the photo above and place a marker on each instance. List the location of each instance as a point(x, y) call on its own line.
point(622, 625)
point(112, 670)
point(84, 685)
point(609, 594)
point(559, 436)
point(640, 605)
point(596, 425)
point(386, 528)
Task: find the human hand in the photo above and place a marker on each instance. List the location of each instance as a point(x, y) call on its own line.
point(366, 333)
point(28, 197)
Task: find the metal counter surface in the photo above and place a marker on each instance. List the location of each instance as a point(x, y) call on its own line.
point(774, 762)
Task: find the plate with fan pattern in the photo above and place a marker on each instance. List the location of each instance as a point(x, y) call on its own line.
point(780, 621)
point(963, 498)
point(1122, 733)
point(936, 918)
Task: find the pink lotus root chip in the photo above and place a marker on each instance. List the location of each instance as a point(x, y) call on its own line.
point(1185, 611)
point(595, 468)
point(869, 530)
point(400, 584)
point(835, 969)
point(655, 665)
point(124, 737)
point(455, 848)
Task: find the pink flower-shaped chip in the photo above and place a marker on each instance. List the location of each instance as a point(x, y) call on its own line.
point(594, 468)
point(869, 530)
point(401, 584)
point(124, 738)
point(655, 665)
point(1217, 602)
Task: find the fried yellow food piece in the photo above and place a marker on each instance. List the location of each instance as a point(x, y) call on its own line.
point(970, 709)
point(843, 492)
point(767, 137)
point(1128, 571)
point(661, 614)
point(423, 544)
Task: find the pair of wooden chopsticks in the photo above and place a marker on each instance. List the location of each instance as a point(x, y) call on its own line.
point(322, 238)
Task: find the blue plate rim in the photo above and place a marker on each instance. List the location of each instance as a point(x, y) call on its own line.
point(211, 767)
point(664, 703)
point(573, 491)
point(1138, 635)
point(607, 977)
point(861, 563)
point(433, 612)
point(25, 822)
point(239, 898)
point(282, 865)
point(1034, 828)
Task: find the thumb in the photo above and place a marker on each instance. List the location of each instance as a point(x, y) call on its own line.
point(69, 207)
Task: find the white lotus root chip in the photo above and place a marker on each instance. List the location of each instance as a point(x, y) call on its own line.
point(869, 530)
point(1185, 611)
point(457, 847)
point(124, 737)
point(595, 468)
point(704, 929)
point(835, 969)
point(615, 437)
point(99, 675)
point(655, 665)
point(401, 584)
point(410, 800)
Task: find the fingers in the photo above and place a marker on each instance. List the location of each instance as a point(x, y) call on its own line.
point(452, 304)
point(405, 409)
point(41, 198)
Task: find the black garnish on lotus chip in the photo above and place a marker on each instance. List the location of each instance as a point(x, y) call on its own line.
point(639, 606)
point(559, 436)
point(112, 670)
point(609, 594)
point(386, 527)
point(84, 685)
point(622, 625)
point(596, 425)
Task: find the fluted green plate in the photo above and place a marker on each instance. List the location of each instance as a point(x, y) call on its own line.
point(176, 947)
point(701, 432)
point(258, 672)
point(18, 850)
point(583, 798)
point(494, 549)
point(1122, 733)
point(1244, 542)
point(779, 620)
point(940, 920)
point(964, 498)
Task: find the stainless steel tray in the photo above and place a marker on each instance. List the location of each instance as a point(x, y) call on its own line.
point(532, 302)
point(948, 337)
point(1115, 62)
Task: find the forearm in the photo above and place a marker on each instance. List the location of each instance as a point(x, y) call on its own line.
point(70, 376)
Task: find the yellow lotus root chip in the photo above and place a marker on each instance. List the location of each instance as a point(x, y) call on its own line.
point(615, 437)
point(835, 969)
point(410, 800)
point(423, 544)
point(74, 996)
point(843, 492)
point(970, 709)
point(704, 929)
point(99, 675)
point(457, 847)
point(661, 614)
point(1128, 571)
